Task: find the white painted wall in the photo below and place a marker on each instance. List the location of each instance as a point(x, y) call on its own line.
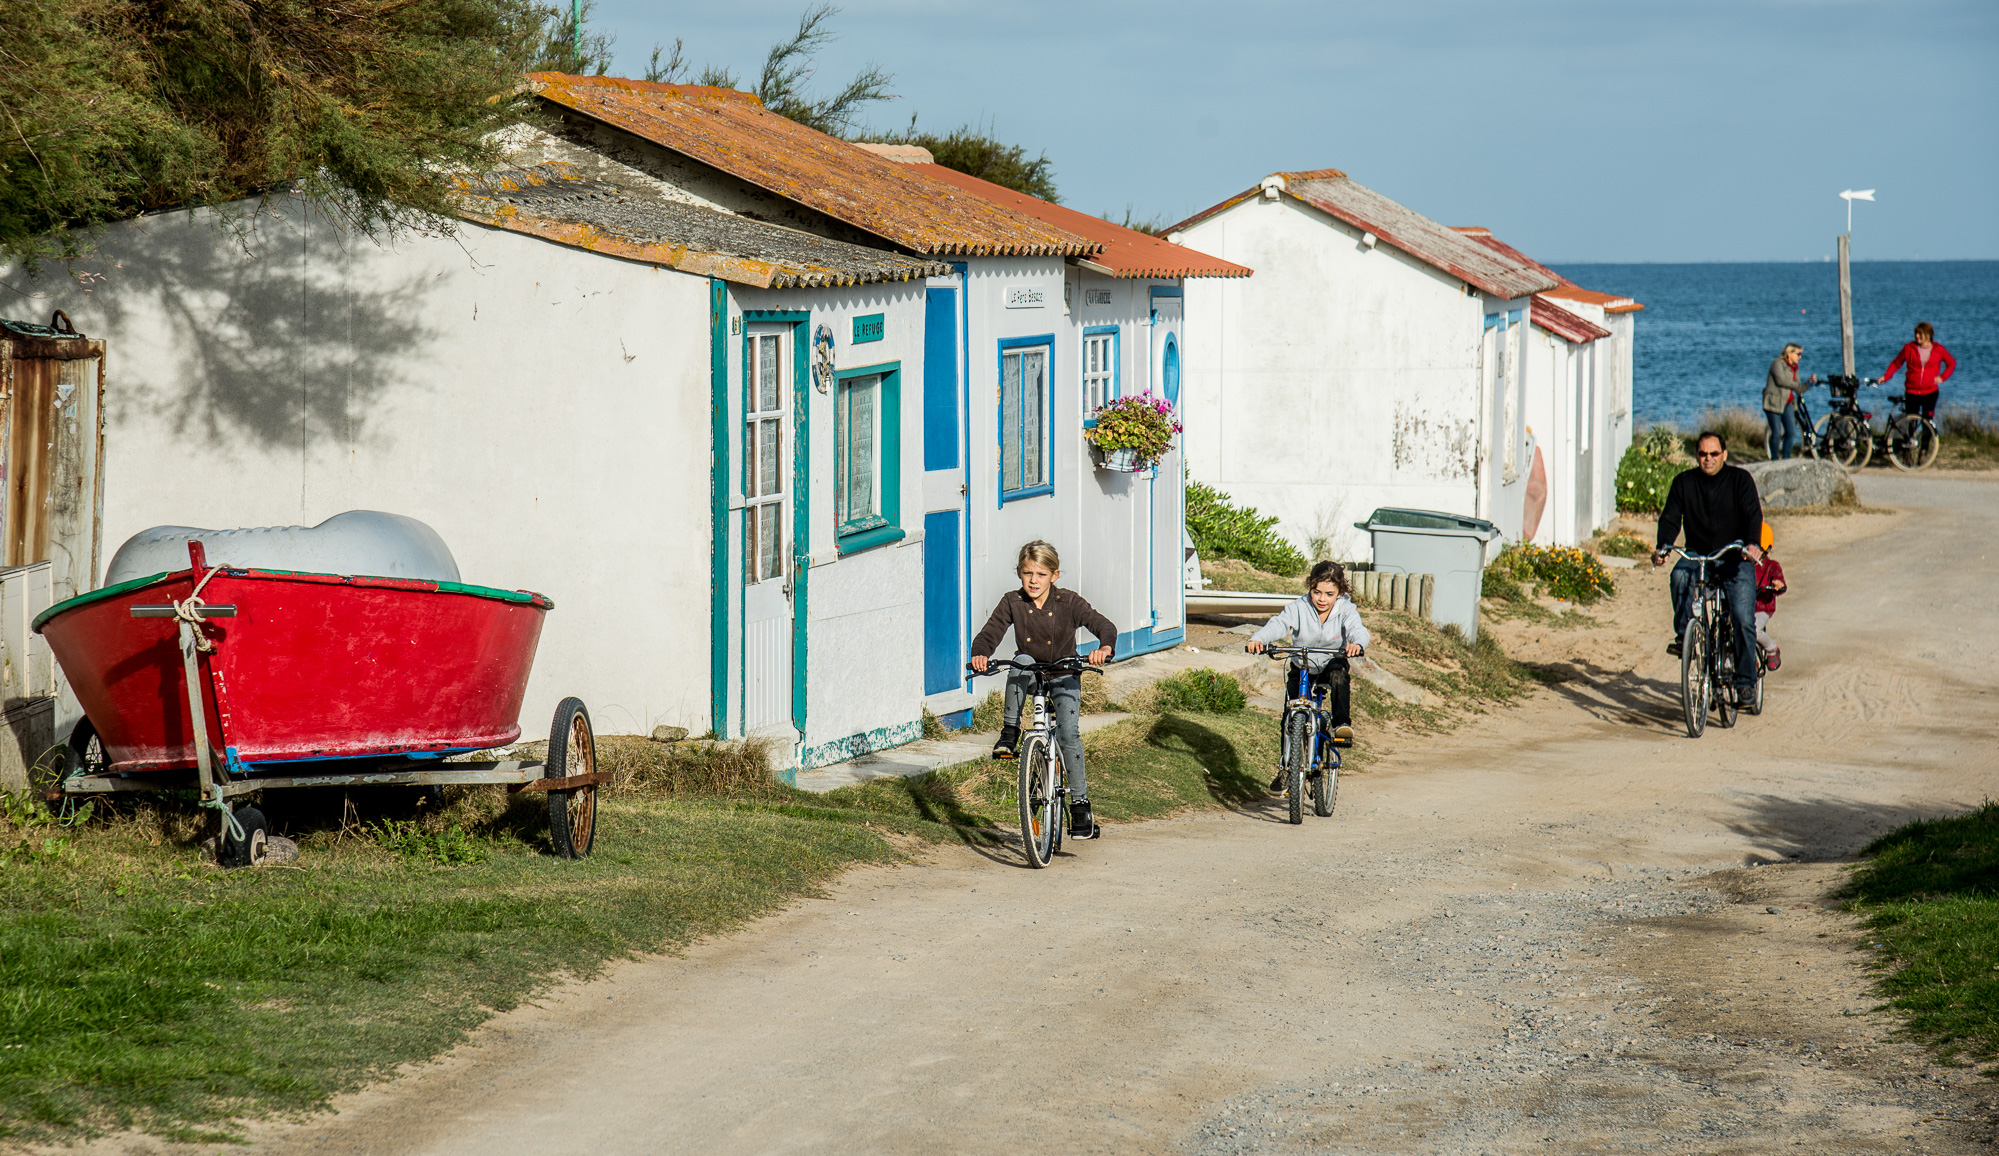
point(1338, 379)
point(544, 408)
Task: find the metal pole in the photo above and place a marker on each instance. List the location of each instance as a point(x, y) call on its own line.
point(197, 711)
point(1845, 304)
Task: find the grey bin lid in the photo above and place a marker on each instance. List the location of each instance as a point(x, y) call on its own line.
point(1392, 518)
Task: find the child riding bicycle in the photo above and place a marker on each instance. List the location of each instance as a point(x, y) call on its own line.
point(1769, 584)
point(1044, 620)
point(1322, 617)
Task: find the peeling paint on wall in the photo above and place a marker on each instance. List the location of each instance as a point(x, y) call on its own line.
point(1437, 447)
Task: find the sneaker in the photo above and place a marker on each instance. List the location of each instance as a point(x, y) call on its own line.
point(1673, 648)
point(1082, 825)
point(1008, 746)
point(1775, 660)
point(1342, 736)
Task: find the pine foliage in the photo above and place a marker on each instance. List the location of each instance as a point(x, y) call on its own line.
point(110, 108)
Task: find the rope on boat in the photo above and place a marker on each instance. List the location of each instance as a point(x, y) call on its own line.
point(189, 611)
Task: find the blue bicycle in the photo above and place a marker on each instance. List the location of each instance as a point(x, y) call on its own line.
point(1309, 753)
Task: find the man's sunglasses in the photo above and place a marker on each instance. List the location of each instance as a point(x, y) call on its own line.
point(1712, 453)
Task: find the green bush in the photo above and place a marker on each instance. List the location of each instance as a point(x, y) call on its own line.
point(1564, 572)
point(1662, 442)
point(1643, 478)
point(1624, 544)
point(1222, 530)
point(1501, 584)
point(1202, 689)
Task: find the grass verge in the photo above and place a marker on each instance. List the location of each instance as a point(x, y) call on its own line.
point(1970, 438)
point(1930, 892)
point(142, 988)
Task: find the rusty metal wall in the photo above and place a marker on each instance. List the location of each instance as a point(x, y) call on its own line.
point(51, 415)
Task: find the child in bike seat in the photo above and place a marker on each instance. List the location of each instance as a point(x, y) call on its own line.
point(1044, 620)
point(1323, 616)
point(1769, 584)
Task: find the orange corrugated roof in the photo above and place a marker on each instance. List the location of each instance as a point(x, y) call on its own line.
point(1340, 196)
point(1563, 323)
point(1127, 252)
point(1566, 289)
point(734, 132)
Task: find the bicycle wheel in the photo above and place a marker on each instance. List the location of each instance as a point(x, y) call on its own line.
point(1755, 703)
point(1923, 443)
point(1326, 788)
point(1297, 750)
point(1037, 803)
point(1912, 443)
point(1695, 683)
point(1848, 441)
point(1724, 673)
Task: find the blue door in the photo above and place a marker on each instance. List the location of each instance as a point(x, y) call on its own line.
point(943, 541)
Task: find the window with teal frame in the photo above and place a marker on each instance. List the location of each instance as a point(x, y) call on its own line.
point(1023, 417)
point(867, 456)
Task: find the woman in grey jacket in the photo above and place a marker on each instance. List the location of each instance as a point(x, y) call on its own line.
point(1781, 388)
point(1323, 617)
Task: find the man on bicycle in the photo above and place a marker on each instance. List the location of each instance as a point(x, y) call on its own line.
point(1717, 504)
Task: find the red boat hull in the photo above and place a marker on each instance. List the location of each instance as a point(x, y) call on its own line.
point(312, 666)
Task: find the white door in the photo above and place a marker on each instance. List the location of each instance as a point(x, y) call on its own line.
point(767, 535)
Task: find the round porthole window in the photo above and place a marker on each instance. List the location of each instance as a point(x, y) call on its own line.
point(1169, 369)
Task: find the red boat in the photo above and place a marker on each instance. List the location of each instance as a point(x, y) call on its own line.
point(309, 680)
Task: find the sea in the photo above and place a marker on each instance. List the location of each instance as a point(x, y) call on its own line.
point(1708, 332)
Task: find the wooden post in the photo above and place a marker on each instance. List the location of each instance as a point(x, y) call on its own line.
point(1426, 602)
point(1845, 309)
point(1397, 585)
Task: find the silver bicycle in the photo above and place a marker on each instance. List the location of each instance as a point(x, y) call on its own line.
point(1044, 788)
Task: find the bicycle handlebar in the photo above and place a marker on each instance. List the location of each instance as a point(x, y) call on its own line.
point(1717, 556)
point(1077, 663)
point(1276, 651)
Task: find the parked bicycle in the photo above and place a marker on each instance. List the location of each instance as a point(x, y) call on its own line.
point(1044, 787)
point(1843, 434)
point(1911, 438)
point(1707, 651)
point(1309, 755)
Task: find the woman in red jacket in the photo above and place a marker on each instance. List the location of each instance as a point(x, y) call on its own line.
point(1929, 366)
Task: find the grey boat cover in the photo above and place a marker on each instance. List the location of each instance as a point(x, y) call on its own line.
point(356, 542)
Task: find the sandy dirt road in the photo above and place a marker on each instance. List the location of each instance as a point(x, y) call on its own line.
point(1540, 932)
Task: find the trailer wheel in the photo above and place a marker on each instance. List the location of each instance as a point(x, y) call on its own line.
point(86, 750)
point(572, 750)
point(252, 847)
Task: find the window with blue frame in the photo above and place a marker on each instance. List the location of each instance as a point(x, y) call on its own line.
point(867, 467)
point(1023, 427)
point(1100, 367)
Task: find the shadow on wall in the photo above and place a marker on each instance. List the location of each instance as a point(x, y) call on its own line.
point(286, 333)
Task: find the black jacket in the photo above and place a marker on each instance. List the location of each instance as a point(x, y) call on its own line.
point(1715, 510)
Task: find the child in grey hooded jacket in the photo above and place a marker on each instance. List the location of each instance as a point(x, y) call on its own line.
point(1323, 617)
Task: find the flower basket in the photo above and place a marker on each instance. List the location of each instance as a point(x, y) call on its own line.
point(1128, 434)
point(1124, 460)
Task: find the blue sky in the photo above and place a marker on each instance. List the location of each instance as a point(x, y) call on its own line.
point(1607, 130)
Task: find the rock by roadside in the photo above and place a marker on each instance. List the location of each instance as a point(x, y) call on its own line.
point(1784, 485)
